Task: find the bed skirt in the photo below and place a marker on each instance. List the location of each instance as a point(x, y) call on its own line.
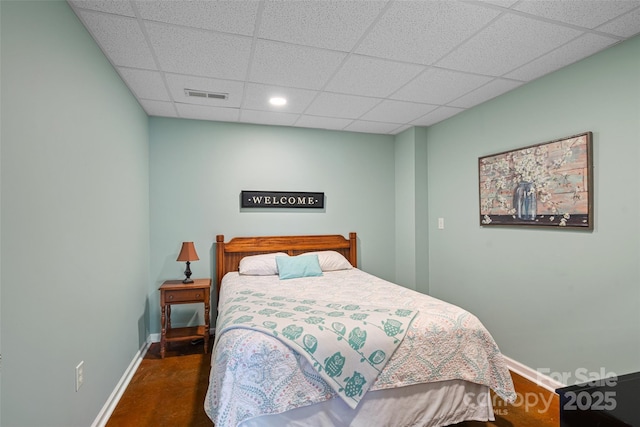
point(420, 405)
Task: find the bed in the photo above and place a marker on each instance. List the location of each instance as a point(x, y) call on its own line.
point(304, 337)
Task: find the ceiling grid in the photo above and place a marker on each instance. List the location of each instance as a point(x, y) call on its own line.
point(372, 66)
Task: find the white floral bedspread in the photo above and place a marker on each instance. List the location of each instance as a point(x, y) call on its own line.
point(256, 374)
point(348, 344)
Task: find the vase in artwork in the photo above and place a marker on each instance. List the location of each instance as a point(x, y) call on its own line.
point(524, 201)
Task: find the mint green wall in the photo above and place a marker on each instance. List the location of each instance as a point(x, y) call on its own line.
point(199, 168)
point(75, 219)
point(422, 211)
point(83, 171)
point(553, 299)
point(0, 222)
point(411, 235)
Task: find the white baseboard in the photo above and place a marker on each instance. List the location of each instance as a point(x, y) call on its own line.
point(114, 398)
point(533, 375)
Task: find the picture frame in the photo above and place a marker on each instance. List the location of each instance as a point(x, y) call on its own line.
point(543, 185)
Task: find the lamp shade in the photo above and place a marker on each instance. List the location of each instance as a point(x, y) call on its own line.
point(188, 252)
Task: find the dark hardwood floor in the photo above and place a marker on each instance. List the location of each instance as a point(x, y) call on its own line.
point(170, 392)
point(534, 407)
point(166, 392)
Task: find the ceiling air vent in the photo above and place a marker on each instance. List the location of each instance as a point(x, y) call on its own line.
point(206, 95)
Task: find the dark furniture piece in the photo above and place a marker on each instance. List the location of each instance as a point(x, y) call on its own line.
point(610, 402)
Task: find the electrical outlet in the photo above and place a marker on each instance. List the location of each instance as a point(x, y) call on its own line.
point(79, 375)
point(440, 223)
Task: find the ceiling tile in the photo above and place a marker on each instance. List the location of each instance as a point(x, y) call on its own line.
point(291, 65)
point(120, 38)
point(423, 31)
point(577, 49)
point(485, 93)
point(361, 75)
point(393, 63)
point(501, 3)
point(335, 25)
point(268, 117)
point(199, 52)
point(200, 112)
point(371, 127)
point(584, 13)
point(178, 83)
point(437, 115)
point(391, 111)
point(236, 17)
point(159, 108)
point(257, 98)
point(438, 86)
point(145, 84)
point(337, 105)
point(520, 41)
point(116, 7)
point(625, 26)
point(400, 129)
point(322, 122)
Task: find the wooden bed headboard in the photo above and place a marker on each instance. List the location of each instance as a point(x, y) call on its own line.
point(229, 254)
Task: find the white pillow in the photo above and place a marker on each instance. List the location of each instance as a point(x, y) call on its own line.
point(260, 265)
point(331, 260)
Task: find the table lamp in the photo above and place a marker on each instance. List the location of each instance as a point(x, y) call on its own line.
point(188, 254)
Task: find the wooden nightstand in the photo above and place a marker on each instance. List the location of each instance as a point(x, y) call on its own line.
point(176, 292)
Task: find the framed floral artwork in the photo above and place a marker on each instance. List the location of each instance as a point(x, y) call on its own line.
point(543, 185)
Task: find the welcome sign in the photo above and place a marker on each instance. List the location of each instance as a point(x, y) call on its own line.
point(281, 199)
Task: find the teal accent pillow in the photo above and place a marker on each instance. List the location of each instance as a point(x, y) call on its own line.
point(298, 266)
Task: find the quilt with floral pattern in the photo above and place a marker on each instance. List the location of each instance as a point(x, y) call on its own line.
point(347, 343)
point(337, 336)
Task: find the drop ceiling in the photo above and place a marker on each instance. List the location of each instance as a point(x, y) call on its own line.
point(353, 65)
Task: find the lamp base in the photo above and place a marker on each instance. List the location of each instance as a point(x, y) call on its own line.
point(187, 273)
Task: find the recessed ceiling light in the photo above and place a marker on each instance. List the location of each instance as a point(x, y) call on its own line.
point(277, 101)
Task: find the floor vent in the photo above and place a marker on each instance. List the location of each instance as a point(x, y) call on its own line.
point(204, 94)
